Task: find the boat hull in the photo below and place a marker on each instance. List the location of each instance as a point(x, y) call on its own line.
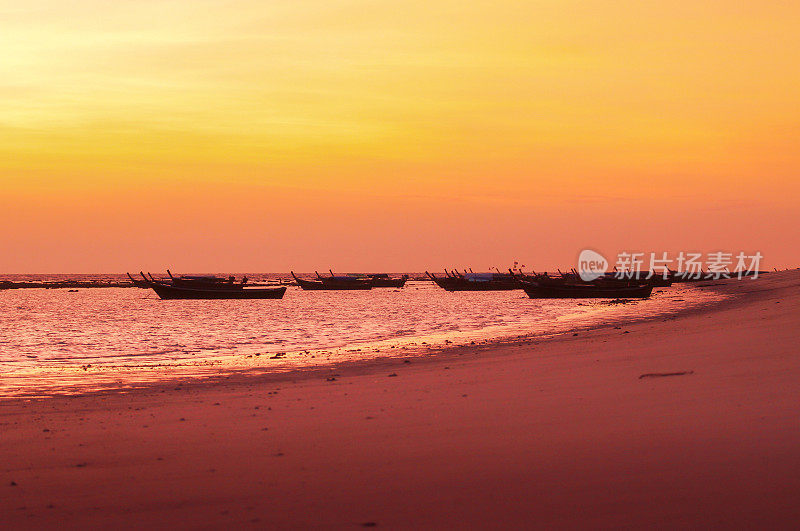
point(331, 285)
point(536, 290)
point(173, 292)
point(388, 282)
point(203, 285)
point(458, 284)
point(138, 283)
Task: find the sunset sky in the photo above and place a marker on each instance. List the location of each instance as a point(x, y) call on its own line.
point(365, 135)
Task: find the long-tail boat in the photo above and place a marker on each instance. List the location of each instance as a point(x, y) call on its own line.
point(455, 281)
point(658, 280)
point(333, 283)
point(569, 285)
point(568, 288)
point(138, 283)
point(379, 280)
point(206, 281)
point(612, 278)
point(587, 290)
point(171, 291)
point(382, 280)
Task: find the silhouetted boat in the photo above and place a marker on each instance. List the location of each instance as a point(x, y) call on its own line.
point(333, 283)
point(378, 280)
point(657, 279)
point(206, 281)
point(171, 291)
point(455, 281)
point(569, 289)
point(138, 283)
point(382, 280)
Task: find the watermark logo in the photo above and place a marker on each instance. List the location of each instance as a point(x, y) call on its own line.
point(688, 265)
point(591, 265)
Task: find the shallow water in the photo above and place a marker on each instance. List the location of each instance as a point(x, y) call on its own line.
point(56, 341)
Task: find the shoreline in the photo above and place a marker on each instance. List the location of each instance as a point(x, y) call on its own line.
point(214, 371)
point(686, 421)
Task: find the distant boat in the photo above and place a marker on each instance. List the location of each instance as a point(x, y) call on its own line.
point(382, 280)
point(568, 289)
point(379, 280)
point(206, 281)
point(199, 291)
point(333, 283)
point(455, 281)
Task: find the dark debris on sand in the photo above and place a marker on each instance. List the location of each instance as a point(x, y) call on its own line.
point(664, 374)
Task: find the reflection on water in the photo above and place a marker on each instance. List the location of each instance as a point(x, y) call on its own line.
point(61, 341)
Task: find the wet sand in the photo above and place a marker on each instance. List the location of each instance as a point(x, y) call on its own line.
point(692, 421)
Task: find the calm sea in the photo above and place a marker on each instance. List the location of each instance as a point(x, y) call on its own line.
point(58, 341)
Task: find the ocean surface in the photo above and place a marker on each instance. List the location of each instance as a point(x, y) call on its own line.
point(56, 341)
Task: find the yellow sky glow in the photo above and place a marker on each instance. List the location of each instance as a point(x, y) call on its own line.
point(407, 135)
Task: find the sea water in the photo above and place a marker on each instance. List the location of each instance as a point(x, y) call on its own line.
point(59, 341)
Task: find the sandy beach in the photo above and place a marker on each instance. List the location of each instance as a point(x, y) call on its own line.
point(685, 422)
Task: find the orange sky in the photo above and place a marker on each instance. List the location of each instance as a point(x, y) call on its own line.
point(362, 135)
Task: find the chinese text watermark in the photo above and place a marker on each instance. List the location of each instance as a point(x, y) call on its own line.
point(686, 265)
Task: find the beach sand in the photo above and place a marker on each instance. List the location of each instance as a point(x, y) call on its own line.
point(569, 432)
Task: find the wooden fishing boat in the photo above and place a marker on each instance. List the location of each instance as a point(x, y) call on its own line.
point(611, 278)
point(138, 283)
point(455, 281)
point(382, 280)
point(567, 289)
point(171, 291)
point(378, 280)
point(206, 281)
point(332, 283)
